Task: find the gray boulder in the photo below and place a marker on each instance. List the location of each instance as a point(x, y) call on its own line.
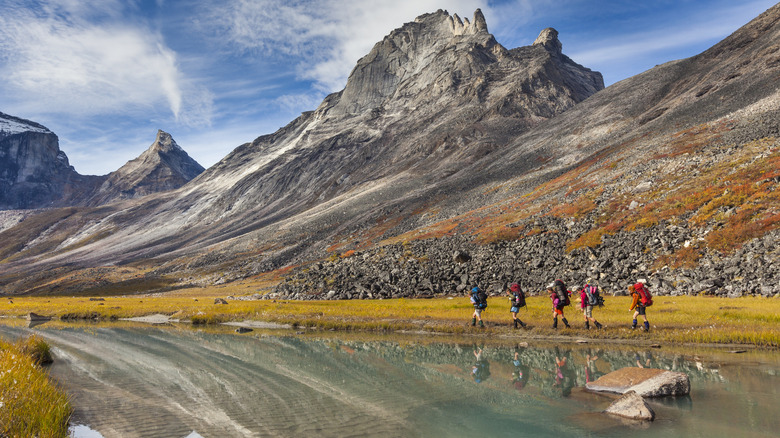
point(631, 405)
point(647, 382)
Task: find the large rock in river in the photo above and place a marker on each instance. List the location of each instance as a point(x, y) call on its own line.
point(647, 382)
point(631, 405)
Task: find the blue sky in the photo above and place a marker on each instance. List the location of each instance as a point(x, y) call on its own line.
point(104, 75)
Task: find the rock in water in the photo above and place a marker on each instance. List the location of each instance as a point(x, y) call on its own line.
point(35, 317)
point(647, 382)
point(631, 405)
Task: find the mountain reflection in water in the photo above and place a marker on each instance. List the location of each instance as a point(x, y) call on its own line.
point(165, 382)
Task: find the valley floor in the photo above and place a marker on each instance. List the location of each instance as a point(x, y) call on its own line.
point(679, 320)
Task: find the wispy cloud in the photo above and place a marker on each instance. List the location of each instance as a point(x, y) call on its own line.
point(78, 57)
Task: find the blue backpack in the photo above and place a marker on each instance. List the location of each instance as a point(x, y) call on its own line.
point(480, 298)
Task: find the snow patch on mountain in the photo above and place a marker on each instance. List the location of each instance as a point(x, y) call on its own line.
point(10, 125)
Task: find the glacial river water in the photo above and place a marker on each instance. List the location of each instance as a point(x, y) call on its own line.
point(132, 381)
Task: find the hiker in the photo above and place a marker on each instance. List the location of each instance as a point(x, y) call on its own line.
point(641, 299)
point(560, 299)
point(517, 300)
point(589, 297)
point(479, 301)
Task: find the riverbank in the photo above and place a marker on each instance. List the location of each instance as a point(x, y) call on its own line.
point(30, 403)
point(706, 320)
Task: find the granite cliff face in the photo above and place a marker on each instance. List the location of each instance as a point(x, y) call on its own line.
point(35, 173)
point(443, 141)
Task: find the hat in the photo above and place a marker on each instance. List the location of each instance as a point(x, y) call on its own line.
point(551, 285)
point(514, 287)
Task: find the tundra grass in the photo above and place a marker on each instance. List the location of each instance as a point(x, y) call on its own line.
point(683, 319)
point(30, 404)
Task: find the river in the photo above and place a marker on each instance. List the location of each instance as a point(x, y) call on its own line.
point(179, 381)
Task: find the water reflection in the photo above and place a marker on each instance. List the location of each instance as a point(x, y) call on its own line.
point(150, 382)
point(481, 369)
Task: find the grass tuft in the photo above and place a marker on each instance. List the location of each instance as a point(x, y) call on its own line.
point(30, 404)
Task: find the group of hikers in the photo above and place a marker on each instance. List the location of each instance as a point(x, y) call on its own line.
point(560, 296)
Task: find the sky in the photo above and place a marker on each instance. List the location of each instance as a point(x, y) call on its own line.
point(105, 75)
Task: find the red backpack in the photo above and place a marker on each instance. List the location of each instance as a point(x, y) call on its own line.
point(644, 294)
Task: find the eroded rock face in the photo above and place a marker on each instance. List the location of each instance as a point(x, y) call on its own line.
point(631, 405)
point(34, 172)
point(646, 382)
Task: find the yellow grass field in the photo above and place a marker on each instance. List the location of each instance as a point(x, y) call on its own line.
point(685, 319)
point(30, 404)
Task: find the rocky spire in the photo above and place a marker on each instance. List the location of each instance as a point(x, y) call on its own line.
point(164, 142)
point(422, 51)
point(548, 39)
point(464, 27)
point(479, 21)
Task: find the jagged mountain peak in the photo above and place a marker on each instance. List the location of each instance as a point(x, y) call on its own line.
point(164, 142)
point(163, 166)
point(461, 27)
point(420, 51)
point(548, 38)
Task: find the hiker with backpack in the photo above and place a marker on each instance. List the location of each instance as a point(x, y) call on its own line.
point(641, 300)
point(517, 300)
point(589, 297)
point(560, 299)
point(479, 301)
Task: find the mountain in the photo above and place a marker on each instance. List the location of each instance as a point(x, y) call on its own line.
point(35, 173)
point(164, 166)
point(444, 141)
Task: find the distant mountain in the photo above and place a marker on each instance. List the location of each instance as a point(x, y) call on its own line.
point(442, 141)
point(35, 173)
point(164, 166)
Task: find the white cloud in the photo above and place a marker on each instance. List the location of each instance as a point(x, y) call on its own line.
point(328, 36)
point(75, 56)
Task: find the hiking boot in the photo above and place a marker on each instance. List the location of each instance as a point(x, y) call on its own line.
point(523, 324)
point(566, 322)
point(587, 325)
point(647, 326)
point(598, 326)
point(473, 322)
point(515, 323)
point(481, 324)
point(555, 323)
